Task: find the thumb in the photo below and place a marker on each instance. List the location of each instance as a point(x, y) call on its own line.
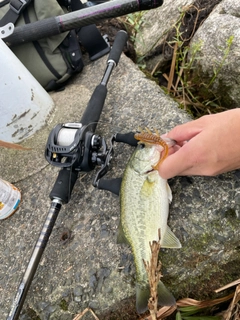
point(173, 165)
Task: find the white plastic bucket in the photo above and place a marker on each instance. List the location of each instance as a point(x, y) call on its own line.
point(24, 104)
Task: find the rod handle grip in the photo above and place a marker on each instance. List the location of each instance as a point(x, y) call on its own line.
point(64, 184)
point(118, 45)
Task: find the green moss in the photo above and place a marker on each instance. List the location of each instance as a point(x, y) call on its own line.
point(63, 305)
point(199, 243)
point(231, 269)
point(32, 314)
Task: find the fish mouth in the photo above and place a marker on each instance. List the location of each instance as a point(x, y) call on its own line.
point(170, 142)
point(148, 171)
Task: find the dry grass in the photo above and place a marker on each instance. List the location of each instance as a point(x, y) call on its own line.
point(80, 315)
point(153, 269)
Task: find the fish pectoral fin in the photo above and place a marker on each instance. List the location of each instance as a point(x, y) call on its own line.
point(165, 298)
point(169, 191)
point(121, 238)
point(169, 240)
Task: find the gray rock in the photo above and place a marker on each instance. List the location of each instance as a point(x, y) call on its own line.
point(218, 62)
point(157, 23)
point(213, 52)
point(93, 304)
point(78, 291)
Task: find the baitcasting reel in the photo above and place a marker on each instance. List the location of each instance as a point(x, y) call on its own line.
point(73, 145)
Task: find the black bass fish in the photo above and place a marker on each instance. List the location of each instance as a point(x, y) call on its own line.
point(145, 199)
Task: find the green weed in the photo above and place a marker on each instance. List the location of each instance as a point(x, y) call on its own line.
point(132, 23)
point(194, 93)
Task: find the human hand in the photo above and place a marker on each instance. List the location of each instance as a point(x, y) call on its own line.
point(207, 146)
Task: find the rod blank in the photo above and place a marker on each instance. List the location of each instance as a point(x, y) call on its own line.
point(77, 19)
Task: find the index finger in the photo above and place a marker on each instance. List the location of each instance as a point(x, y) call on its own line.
point(185, 131)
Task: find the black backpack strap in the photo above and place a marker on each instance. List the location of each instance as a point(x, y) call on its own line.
point(15, 9)
point(71, 54)
point(90, 37)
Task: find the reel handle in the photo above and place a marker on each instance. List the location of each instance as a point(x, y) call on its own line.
point(126, 138)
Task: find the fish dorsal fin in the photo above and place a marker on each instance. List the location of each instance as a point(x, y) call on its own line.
point(169, 191)
point(121, 238)
point(169, 240)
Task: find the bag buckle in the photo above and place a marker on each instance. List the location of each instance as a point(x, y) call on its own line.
point(6, 30)
point(18, 5)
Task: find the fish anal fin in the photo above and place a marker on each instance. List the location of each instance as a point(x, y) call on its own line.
point(142, 297)
point(169, 240)
point(121, 238)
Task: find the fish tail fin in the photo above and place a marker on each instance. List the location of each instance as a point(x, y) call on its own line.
point(165, 298)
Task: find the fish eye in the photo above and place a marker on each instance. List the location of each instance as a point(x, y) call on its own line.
point(141, 145)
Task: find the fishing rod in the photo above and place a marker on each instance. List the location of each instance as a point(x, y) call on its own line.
point(77, 19)
point(74, 147)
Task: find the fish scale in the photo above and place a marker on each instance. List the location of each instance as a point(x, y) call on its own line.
point(145, 200)
point(148, 225)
